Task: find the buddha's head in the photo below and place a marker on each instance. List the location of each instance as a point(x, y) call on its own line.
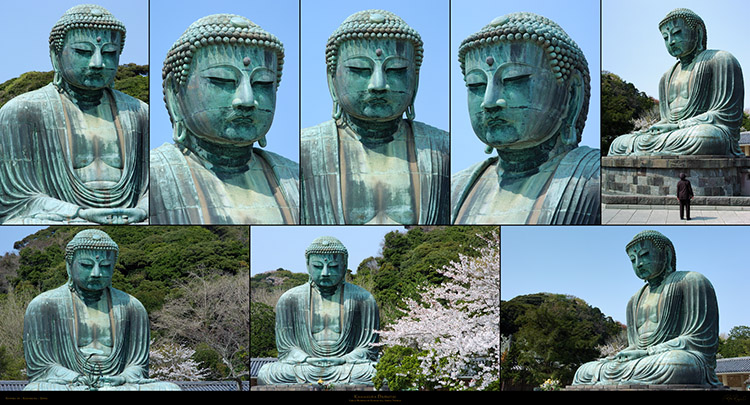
point(220, 81)
point(327, 259)
point(528, 83)
point(373, 62)
point(90, 259)
point(85, 46)
point(684, 33)
point(652, 255)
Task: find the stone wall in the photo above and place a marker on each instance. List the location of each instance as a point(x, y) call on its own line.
point(710, 176)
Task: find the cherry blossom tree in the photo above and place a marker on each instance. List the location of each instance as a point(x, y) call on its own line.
point(174, 362)
point(457, 323)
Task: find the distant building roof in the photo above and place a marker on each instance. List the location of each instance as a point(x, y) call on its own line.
point(733, 365)
point(745, 138)
point(185, 385)
point(258, 362)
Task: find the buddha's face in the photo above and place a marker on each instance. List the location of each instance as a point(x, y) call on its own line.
point(679, 38)
point(326, 270)
point(230, 94)
point(514, 98)
point(92, 269)
point(649, 262)
point(89, 58)
point(375, 80)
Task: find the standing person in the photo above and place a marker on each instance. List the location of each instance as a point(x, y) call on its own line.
point(684, 194)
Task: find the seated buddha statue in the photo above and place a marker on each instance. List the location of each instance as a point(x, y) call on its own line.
point(76, 150)
point(528, 89)
point(86, 335)
point(700, 98)
point(672, 324)
point(373, 163)
point(220, 81)
point(325, 328)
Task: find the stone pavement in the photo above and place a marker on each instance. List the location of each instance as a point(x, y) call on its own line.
point(670, 215)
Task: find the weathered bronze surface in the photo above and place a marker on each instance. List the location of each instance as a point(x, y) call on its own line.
point(370, 165)
point(86, 335)
point(76, 150)
point(220, 81)
point(528, 94)
point(325, 328)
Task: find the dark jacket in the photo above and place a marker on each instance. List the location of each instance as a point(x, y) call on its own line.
point(684, 190)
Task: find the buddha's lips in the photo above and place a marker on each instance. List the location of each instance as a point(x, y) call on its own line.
point(377, 100)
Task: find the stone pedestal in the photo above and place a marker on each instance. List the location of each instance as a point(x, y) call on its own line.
point(312, 387)
point(716, 180)
point(647, 387)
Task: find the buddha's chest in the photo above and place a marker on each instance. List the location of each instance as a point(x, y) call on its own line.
point(378, 185)
point(679, 89)
point(326, 318)
point(647, 314)
point(94, 330)
point(242, 197)
point(95, 145)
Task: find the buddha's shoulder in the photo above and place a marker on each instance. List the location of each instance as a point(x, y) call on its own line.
point(315, 132)
point(52, 296)
point(690, 277)
point(276, 160)
point(129, 101)
point(32, 101)
point(421, 128)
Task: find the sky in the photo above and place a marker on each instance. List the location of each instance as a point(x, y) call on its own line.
point(25, 27)
point(273, 247)
point(590, 263)
point(170, 19)
point(579, 19)
point(633, 48)
point(430, 18)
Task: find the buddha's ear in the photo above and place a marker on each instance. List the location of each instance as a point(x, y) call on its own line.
point(410, 113)
point(336, 113)
point(171, 98)
point(701, 34)
point(575, 107)
point(55, 59)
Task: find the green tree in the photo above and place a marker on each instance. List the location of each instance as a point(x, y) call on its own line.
point(262, 330)
point(559, 335)
point(737, 344)
point(622, 103)
point(399, 366)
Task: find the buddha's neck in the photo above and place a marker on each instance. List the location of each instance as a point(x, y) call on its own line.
point(373, 132)
point(327, 292)
point(222, 157)
point(520, 163)
point(83, 98)
point(87, 296)
point(686, 60)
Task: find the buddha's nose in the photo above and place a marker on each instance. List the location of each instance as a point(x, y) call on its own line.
point(377, 81)
point(244, 98)
point(96, 60)
point(492, 97)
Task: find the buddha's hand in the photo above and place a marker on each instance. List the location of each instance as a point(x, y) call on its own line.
point(113, 381)
point(628, 355)
point(661, 128)
point(113, 216)
point(325, 361)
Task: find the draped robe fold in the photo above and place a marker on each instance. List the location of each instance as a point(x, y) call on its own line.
point(682, 348)
point(572, 197)
point(710, 122)
point(322, 200)
point(295, 342)
point(36, 166)
point(51, 347)
point(178, 198)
